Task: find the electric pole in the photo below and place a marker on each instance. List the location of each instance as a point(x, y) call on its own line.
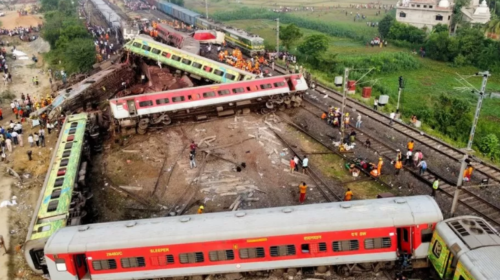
point(206, 9)
point(482, 93)
point(401, 86)
point(344, 97)
point(277, 36)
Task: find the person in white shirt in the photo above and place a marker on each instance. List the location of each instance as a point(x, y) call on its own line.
point(305, 164)
point(30, 140)
point(391, 116)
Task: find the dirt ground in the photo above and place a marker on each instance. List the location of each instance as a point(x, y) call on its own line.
point(12, 19)
point(14, 227)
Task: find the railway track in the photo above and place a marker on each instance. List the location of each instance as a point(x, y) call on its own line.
point(490, 171)
point(471, 201)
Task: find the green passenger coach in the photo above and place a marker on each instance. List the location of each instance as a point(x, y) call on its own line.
point(198, 66)
point(465, 248)
point(58, 203)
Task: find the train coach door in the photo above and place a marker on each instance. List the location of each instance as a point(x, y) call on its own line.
point(81, 266)
point(131, 107)
point(404, 240)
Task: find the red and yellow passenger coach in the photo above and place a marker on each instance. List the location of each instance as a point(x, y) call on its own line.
point(329, 234)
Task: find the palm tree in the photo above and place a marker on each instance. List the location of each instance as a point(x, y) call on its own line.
point(492, 28)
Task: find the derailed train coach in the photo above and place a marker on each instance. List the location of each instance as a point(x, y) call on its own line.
point(339, 236)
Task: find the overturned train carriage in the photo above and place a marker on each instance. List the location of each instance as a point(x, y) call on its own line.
point(64, 195)
point(341, 236)
point(266, 94)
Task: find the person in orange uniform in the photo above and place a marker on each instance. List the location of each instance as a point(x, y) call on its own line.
point(348, 195)
point(398, 165)
point(468, 173)
point(302, 190)
point(410, 145)
point(379, 166)
point(323, 116)
point(201, 209)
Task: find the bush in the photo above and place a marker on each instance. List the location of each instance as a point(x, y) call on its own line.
point(382, 62)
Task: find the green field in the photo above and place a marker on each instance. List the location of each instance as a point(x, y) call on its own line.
point(423, 85)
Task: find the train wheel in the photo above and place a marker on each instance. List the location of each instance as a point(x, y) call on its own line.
point(265, 111)
point(343, 270)
point(143, 124)
point(141, 131)
point(269, 105)
point(166, 120)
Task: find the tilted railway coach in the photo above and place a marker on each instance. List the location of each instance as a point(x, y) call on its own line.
point(465, 248)
point(172, 37)
point(199, 67)
point(161, 107)
point(337, 235)
point(63, 195)
point(248, 43)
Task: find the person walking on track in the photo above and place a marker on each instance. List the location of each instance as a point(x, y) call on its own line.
point(305, 164)
point(379, 166)
point(435, 187)
point(348, 195)
point(302, 191)
point(292, 165)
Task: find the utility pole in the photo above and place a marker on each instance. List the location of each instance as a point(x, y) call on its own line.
point(277, 36)
point(482, 93)
point(206, 9)
point(401, 86)
point(344, 97)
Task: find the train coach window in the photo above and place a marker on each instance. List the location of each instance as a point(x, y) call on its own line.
point(66, 153)
point(207, 69)
point(221, 255)
point(426, 235)
point(162, 101)
point(266, 86)
point(197, 65)
point(230, 77)
point(68, 146)
point(52, 206)
point(162, 260)
point(238, 90)
point(55, 193)
point(165, 54)
point(252, 253)
point(177, 99)
point(146, 103)
point(345, 245)
point(224, 92)
point(137, 45)
point(377, 243)
point(218, 73)
point(436, 249)
point(156, 51)
point(305, 248)
point(191, 257)
point(104, 264)
point(186, 61)
point(64, 162)
point(195, 96)
point(60, 265)
point(279, 84)
point(252, 88)
point(59, 182)
point(284, 250)
point(44, 228)
point(208, 94)
point(322, 247)
point(146, 48)
point(176, 58)
point(133, 262)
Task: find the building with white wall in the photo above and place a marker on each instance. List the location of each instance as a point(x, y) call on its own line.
point(424, 13)
point(476, 13)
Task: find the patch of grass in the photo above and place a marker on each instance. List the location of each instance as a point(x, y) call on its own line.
point(331, 166)
point(367, 189)
point(6, 96)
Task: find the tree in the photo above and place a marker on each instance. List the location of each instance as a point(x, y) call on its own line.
point(493, 26)
point(385, 25)
point(471, 41)
point(79, 56)
point(440, 28)
point(488, 145)
point(178, 2)
point(289, 35)
point(441, 46)
point(452, 117)
point(314, 47)
point(49, 5)
point(406, 32)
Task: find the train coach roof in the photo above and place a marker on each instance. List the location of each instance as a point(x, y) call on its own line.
point(482, 263)
point(362, 214)
point(181, 9)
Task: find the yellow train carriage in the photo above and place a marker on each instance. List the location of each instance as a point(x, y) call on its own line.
point(465, 248)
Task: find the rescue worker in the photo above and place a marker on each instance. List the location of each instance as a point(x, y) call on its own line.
point(346, 120)
point(302, 190)
point(201, 209)
point(435, 187)
point(373, 172)
point(468, 173)
point(398, 165)
point(410, 145)
point(379, 166)
point(348, 195)
point(323, 116)
point(399, 156)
